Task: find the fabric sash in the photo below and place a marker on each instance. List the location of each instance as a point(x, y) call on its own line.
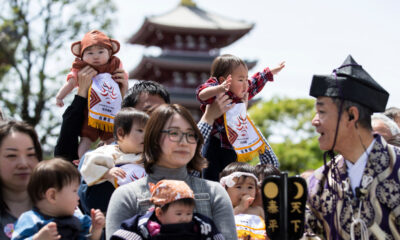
point(242, 134)
point(252, 226)
point(104, 102)
point(133, 173)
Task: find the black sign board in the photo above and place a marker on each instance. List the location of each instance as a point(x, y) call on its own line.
point(284, 200)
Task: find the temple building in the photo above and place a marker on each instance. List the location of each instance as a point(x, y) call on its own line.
point(190, 38)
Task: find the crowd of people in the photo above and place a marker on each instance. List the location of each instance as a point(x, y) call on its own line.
point(164, 176)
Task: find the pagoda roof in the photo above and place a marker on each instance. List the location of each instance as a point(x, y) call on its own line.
point(176, 63)
point(186, 19)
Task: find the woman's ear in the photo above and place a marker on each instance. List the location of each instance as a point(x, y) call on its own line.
point(51, 195)
point(76, 48)
point(221, 79)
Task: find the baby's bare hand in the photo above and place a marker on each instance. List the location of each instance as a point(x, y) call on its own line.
point(227, 83)
point(277, 69)
point(48, 232)
point(246, 201)
point(116, 172)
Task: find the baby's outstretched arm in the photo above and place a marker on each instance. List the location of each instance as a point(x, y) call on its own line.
point(213, 91)
point(98, 223)
point(64, 91)
point(278, 68)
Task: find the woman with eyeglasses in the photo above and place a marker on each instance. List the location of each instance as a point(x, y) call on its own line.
point(172, 144)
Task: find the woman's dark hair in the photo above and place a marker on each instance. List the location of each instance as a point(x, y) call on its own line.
point(153, 88)
point(238, 167)
point(265, 170)
point(6, 129)
point(55, 173)
point(223, 65)
point(183, 201)
point(153, 132)
point(126, 117)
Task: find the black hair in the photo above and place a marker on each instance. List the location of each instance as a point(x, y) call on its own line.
point(265, 170)
point(364, 119)
point(238, 167)
point(126, 117)
point(223, 65)
point(183, 201)
point(153, 88)
point(55, 173)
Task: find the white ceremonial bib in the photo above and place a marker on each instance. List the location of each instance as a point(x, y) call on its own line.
point(133, 173)
point(242, 134)
point(104, 102)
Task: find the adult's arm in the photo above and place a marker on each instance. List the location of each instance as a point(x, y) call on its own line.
point(68, 140)
point(122, 206)
point(213, 111)
point(222, 211)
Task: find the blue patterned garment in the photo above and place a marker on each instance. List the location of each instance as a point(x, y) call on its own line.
point(331, 211)
point(30, 222)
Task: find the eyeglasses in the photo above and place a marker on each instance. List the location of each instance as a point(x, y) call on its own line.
point(176, 135)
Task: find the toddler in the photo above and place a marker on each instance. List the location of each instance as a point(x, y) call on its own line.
point(121, 163)
point(96, 50)
point(234, 135)
point(53, 190)
point(241, 183)
point(172, 217)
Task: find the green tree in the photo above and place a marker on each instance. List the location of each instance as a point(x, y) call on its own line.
point(286, 123)
point(35, 37)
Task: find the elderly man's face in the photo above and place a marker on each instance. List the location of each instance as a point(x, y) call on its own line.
point(380, 127)
point(325, 121)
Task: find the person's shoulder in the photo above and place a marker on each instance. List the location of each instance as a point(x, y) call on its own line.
point(211, 186)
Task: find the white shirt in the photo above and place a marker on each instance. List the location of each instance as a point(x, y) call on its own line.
point(356, 170)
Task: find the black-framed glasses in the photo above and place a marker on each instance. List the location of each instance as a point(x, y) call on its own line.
point(176, 135)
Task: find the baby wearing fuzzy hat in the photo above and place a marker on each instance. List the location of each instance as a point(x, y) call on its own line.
point(95, 59)
point(171, 218)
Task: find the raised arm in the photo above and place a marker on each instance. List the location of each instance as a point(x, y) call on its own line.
point(213, 91)
point(68, 139)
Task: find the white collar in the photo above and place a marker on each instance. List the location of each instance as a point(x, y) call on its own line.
point(356, 170)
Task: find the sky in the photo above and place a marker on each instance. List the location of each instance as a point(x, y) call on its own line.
point(312, 36)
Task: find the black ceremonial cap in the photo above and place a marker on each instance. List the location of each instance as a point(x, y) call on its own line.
point(351, 82)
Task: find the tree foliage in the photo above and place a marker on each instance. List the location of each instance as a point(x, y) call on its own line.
point(35, 37)
point(286, 123)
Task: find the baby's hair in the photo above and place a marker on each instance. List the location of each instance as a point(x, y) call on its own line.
point(265, 170)
point(126, 117)
point(55, 173)
point(223, 65)
point(183, 201)
point(238, 167)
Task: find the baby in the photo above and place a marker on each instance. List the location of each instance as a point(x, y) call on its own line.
point(172, 217)
point(96, 50)
point(53, 189)
point(234, 136)
point(241, 183)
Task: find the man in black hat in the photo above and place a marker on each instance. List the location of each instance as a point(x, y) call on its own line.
point(356, 195)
